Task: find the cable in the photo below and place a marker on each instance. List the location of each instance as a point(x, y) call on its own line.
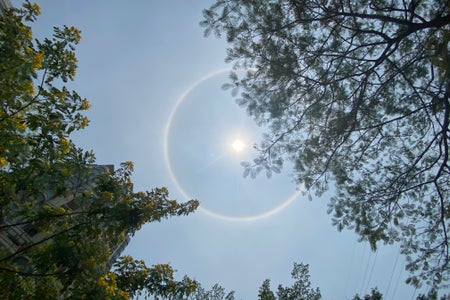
point(414, 294)
point(371, 270)
point(365, 273)
point(398, 279)
point(392, 274)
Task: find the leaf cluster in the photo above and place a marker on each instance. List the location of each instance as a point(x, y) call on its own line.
point(62, 217)
point(355, 94)
point(301, 289)
point(131, 278)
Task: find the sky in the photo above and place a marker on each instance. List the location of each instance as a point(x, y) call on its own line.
point(154, 83)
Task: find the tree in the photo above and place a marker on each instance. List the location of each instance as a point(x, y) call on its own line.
point(217, 292)
point(375, 295)
point(356, 95)
point(62, 214)
point(265, 293)
point(432, 294)
point(135, 278)
point(301, 289)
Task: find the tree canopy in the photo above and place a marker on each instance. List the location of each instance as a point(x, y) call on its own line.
point(61, 215)
point(136, 279)
point(301, 289)
point(356, 95)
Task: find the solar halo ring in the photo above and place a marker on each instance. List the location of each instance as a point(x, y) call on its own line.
point(285, 203)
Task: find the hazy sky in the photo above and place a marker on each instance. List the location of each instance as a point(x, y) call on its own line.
point(154, 84)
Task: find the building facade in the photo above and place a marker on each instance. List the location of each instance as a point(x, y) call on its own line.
point(17, 233)
point(4, 5)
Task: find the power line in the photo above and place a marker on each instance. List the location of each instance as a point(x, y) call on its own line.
point(414, 294)
point(365, 272)
point(398, 279)
point(392, 274)
point(371, 270)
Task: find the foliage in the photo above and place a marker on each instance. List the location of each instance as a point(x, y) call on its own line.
point(265, 293)
point(375, 295)
point(301, 289)
point(356, 95)
point(60, 214)
point(133, 278)
point(432, 294)
point(217, 292)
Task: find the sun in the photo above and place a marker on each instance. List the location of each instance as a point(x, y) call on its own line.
point(238, 145)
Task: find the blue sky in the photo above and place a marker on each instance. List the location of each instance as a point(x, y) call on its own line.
point(141, 65)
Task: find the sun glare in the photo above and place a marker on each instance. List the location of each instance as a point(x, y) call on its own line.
point(238, 145)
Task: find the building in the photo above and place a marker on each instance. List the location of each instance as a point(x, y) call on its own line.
point(4, 5)
point(17, 233)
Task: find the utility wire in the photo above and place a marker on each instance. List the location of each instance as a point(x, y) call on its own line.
point(365, 272)
point(371, 270)
point(414, 294)
point(398, 279)
point(392, 274)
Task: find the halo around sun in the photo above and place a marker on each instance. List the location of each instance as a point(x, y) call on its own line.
point(235, 140)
